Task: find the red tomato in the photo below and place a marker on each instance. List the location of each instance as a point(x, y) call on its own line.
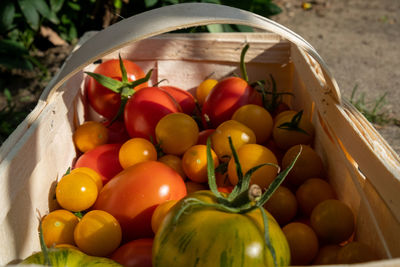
point(103, 100)
point(227, 189)
point(144, 109)
point(132, 196)
point(116, 132)
point(103, 159)
point(136, 253)
point(184, 98)
point(225, 98)
point(203, 136)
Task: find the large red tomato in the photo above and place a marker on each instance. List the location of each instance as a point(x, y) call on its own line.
point(184, 98)
point(225, 98)
point(132, 196)
point(136, 253)
point(103, 100)
point(103, 159)
point(145, 108)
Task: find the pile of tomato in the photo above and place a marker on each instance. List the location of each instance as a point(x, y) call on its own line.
point(149, 152)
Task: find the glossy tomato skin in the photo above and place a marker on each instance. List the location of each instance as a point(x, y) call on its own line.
point(225, 98)
point(199, 237)
point(144, 109)
point(103, 159)
point(136, 253)
point(132, 196)
point(103, 100)
point(184, 98)
point(116, 132)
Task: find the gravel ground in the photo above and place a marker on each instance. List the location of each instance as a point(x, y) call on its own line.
point(359, 41)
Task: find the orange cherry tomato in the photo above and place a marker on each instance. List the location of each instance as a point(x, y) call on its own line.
point(136, 150)
point(98, 233)
point(194, 163)
point(176, 133)
point(89, 135)
point(160, 212)
point(58, 228)
point(76, 192)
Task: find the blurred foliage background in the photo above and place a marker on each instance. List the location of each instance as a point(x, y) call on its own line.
point(37, 35)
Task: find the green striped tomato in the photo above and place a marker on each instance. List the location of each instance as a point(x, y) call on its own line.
point(63, 257)
point(206, 236)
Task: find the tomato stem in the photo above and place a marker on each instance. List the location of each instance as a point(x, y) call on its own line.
point(243, 64)
point(293, 125)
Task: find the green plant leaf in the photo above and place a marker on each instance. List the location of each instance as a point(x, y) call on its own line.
point(215, 28)
point(56, 5)
point(13, 62)
point(74, 6)
point(12, 47)
point(7, 13)
point(30, 13)
point(108, 82)
point(150, 3)
point(44, 10)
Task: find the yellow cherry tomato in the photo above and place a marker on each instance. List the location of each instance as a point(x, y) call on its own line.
point(194, 163)
point(240, 134)
point(288, 136)
point(90, 135)
point(251, 155)
point(204, 89)
point(93, 174)
point(160, 212)
point(58, 228)
point(176, 133)
point(256, 118)
point(98, 233)
point(76, 192)
point(136, 150)
point(174, 162)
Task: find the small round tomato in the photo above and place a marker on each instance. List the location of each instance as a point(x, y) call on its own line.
point(252, 155)
point(96, 177)
point(282, 205)
point(204, 89)
point(144, 109)
point(303, 242)
point(225, 98)
point(194, 163)
point(184, 98)
point(137, 253)
point(256, 118)
point(136, 150)
point(58, 227)
point(287, 136)
point(103, 159)
point(103, 100)
point(133, 194)
point(160, 212)
point(240, 134)
point(308, 165)
point(174, 162)
point(89, 135)
point(176, 133)
point(312, 192)
point(355, 252)
point(76, 191)
point(98, 233)
point(333, 221)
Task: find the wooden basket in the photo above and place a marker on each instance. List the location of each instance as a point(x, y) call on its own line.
point(361, 166)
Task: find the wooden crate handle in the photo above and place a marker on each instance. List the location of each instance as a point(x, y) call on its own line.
point(170, 18)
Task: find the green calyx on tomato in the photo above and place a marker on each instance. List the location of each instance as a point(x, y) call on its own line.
point(242, 200)
point(123, 87)
point(293, 125)
point(270, 103)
